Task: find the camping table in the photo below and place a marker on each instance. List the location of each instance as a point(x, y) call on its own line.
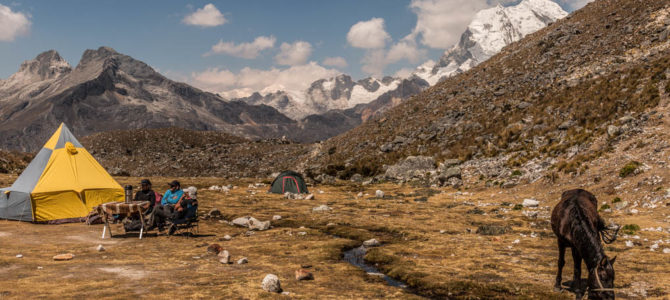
point(122, 208)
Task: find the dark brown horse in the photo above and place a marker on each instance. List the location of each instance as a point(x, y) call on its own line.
point(576, 223)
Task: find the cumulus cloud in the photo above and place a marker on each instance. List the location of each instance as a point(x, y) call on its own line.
point(294, 54)
point(244, 50)
point(440, 23)
point(337, 61)
point(374, 62)
point(368, 34)
point(208, 16)
point(246, 81)
point(12, 24)
point(405, 49)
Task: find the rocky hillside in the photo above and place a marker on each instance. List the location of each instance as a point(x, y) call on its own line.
point(181, 152)
point(539, 105)
point(13, 162)
point(108, 90)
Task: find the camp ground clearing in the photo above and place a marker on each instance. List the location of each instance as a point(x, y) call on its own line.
point(433, 246)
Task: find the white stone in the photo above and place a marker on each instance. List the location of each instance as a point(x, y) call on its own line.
point(516, 241)
point(227, 237)
point(379, 194)
point(224, 257)
point(100, 248)
point(629, 244)
point(321, 208)
point(666, 250)
point(360, 195)
point(276, 217)
point(530, 203)
point(242, 260)
point(271, 283)
point(19, 255)
point(309, 197)
point(371, 243)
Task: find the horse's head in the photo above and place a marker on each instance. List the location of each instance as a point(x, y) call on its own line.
point(601, 280)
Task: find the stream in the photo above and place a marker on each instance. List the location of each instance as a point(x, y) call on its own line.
point(356, 257)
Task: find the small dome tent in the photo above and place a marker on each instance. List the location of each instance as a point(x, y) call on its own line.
point(289, 181)
point(63, 182)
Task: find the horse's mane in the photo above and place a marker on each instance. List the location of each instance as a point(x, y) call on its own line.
point(585, 234)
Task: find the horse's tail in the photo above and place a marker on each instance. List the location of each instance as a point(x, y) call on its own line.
point(609, 235)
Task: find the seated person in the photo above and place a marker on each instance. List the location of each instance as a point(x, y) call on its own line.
point(167, 207)
point(185, 209)
point(146, 194)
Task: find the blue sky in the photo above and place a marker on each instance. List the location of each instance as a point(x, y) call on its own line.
point(159, 33)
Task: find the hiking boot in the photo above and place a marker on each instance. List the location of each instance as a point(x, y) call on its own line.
point(172, 229)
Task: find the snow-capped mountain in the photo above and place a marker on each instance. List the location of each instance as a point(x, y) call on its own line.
point(489, 32)
point(339, 92)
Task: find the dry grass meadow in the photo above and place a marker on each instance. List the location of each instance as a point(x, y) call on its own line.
point(429, 237)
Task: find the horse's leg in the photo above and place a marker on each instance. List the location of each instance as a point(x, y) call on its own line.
point(561, 263)
point(577, 277)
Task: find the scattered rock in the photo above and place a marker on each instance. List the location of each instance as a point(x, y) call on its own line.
point(411, 167)
point(379, 194)
point(252, 223)
point(309, 197)
point(271, 284)
point(666, 250)
point(214, 213)
point(629, 244)
point(19, 256)
point(224, 257)
point(621, 205)
point(61, 257)
point(242, 261)
point(214, 249)
point(321, 208)
point(303, 274)
point(491, 230)
point(100, 248)
point(530, 203)
point(359, 195)
point(371, 243)
point(276, 217)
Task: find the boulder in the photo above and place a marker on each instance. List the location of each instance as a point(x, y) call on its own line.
point(303, 274)
point(412, 166)
point(321, 208)
point(241, 221)
point(379, 194)
point(276, 217)
point(371, 243)
point(271, 284)
point(224, 257)
point(530, 203)
point(258, 225)
point(214, 213)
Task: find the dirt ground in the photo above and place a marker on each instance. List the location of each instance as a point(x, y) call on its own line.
point(429, 240)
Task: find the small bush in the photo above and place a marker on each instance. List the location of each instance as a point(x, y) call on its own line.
point(604, 207)
point(629, 168)
point(518, 207)
point(630, 228)
point(616, 200)
point(516, 173)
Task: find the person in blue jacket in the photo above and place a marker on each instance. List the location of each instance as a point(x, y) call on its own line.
point(166, 209)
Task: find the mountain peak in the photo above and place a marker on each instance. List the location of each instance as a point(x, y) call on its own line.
point(99, 54)
point(46, 65)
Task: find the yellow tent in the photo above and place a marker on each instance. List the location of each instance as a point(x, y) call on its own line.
point(62, 182)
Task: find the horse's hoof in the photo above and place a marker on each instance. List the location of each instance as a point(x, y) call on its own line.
point(558, 289)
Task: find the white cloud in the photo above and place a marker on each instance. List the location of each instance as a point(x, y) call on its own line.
point(403, 73)
point(368, 34)
point(12, 24)
point(208, 16)
point(244, 50)
point(440, 23)
point(405, 49)
point(337, 61)
point(248, 80)
point(294, 54)
point(374, 62)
